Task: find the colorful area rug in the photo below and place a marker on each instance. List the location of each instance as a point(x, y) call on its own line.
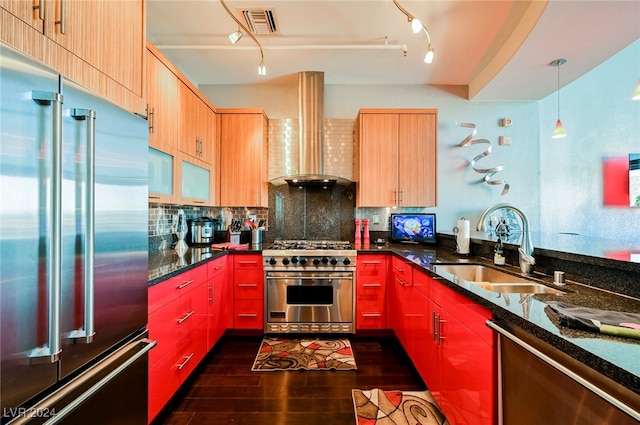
point(377, 407)
point(304, 353)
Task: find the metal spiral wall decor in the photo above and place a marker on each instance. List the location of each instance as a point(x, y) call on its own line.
point(488, 172)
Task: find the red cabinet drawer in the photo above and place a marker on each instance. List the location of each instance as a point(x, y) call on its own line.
point(217, 266)
point(248, 284)
point(369, 264)
point(247, 261)
point(175, 286)
point(166, 376)
point(370, 314)
point(248, 314)
point(402, 270)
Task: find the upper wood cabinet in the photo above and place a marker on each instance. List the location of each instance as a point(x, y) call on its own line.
point(396, 157)
point(162, 103)
point(243, 157)
point(99, 44)
point(197, 126)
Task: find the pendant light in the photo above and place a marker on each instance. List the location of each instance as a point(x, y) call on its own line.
point(559, 130)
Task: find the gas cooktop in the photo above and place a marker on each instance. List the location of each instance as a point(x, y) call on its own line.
point(309, 245)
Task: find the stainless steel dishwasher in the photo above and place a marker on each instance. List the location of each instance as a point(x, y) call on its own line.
point(539, 384)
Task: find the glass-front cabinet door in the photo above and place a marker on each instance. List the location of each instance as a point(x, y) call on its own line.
point(161, 177)
point(197, 183)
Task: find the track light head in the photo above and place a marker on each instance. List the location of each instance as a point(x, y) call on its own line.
point(235, 36)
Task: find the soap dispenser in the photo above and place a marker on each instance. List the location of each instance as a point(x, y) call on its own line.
point(498, 253)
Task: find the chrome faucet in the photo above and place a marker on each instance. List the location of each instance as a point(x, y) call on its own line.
point(525, 252)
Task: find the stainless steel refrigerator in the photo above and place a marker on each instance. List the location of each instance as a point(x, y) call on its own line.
point(73, 245)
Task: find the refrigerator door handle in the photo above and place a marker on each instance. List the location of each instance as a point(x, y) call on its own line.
point(85, 334)
point(50, 352)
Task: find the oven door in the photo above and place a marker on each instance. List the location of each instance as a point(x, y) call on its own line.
point(309, 297)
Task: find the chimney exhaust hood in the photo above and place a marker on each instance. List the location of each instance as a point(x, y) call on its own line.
point(311, 138)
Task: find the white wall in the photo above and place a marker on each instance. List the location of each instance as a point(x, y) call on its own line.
point(558, 184)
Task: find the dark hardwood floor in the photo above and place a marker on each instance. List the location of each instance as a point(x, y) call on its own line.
point(224, 390)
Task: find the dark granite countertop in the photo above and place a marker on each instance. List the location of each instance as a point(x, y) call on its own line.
point(614, 357)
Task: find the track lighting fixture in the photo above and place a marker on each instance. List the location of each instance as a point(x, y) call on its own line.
point(559, 130)
point(235, 36)
point(262, 69)
point(416, 27)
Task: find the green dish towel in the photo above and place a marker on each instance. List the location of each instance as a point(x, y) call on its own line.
point(594, 320)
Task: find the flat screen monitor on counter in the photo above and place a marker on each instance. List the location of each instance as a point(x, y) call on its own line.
point(413, 228)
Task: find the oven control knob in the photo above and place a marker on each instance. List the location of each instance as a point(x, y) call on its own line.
point(294, 260)
point(325, 260)
point(333, 261)
point(285, 261)
point(316, 261)
point(346, 261)
point(303, 261)
point(273, 261)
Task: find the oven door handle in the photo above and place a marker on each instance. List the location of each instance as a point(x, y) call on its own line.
point(316, 277)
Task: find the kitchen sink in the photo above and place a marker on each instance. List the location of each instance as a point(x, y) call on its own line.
point(491, 279)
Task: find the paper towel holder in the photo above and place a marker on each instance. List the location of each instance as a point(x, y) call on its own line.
point(456, 231)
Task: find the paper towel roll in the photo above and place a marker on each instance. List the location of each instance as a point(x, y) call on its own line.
point(463, 236)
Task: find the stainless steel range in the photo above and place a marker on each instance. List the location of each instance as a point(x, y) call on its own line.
point(309, 287)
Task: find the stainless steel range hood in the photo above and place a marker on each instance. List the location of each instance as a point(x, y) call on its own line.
point(311, 167)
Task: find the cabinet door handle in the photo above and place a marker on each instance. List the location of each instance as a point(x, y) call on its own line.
point(440, 336)
point(246, 263)
point(184, 285)
point(401, 196)
point(185, 317)
point(152, 119)
point(400, 281)
point(371, 285)
point(211, 291)
point(248, 285)
point(40, 8)
point(434, 322)
point(247, 315)
point(62, 22)
point(186, 360)
point(371, 315)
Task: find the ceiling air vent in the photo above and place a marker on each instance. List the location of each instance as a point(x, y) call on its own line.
point(261, 21)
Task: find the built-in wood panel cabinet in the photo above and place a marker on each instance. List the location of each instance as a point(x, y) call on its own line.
point(396, 158)
point(98, 44)
point(243, 157)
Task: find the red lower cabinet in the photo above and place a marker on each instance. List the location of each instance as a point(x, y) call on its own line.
point(371, 281)
point(178, 323)
point(248, 291)
point(454, 352)
point(219, 313)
